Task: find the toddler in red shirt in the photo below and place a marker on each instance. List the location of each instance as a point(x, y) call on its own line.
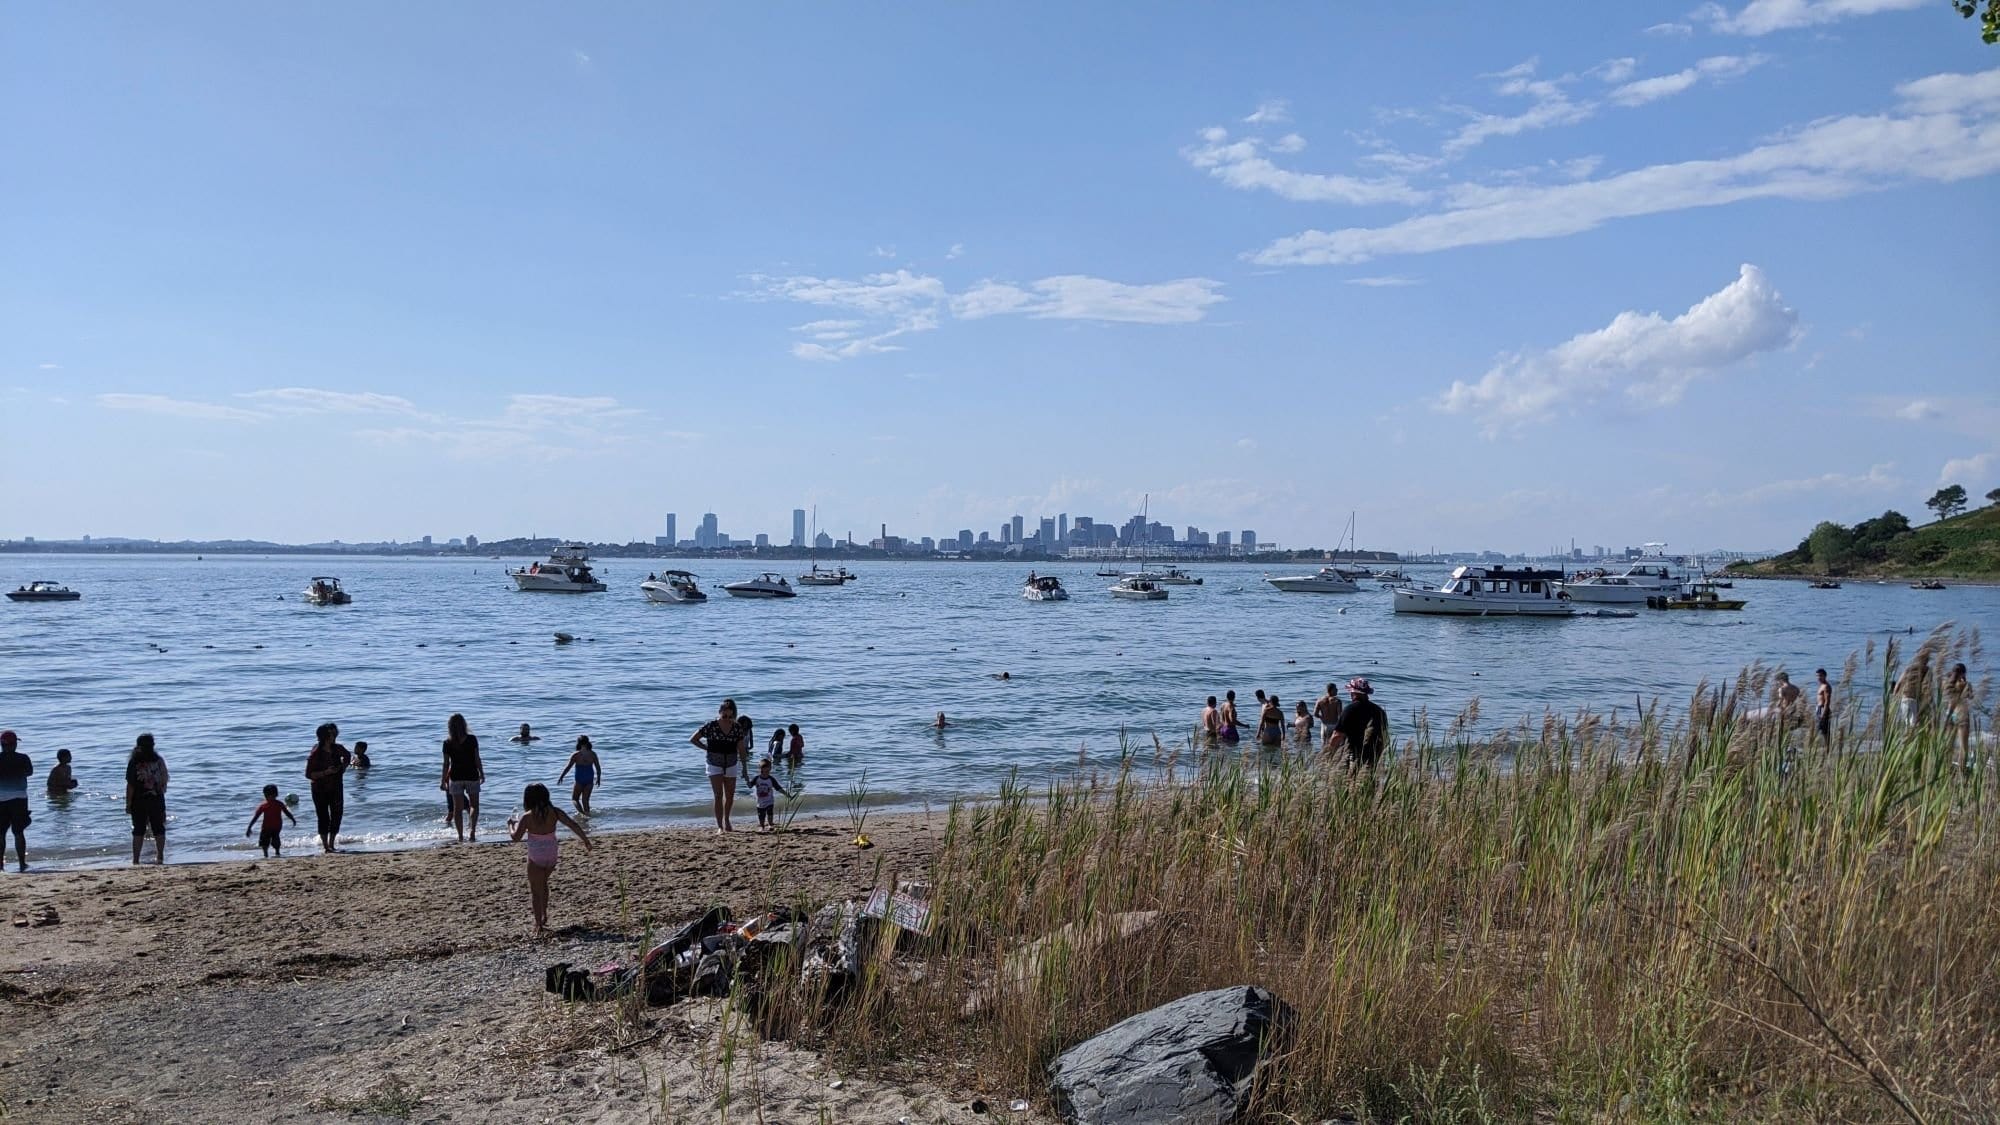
point(274, 814)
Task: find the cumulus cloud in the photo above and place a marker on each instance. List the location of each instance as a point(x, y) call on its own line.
point(1919, 410)
point(901, 303)
point(178, 408)
point(1642, 358)
point(1241, 164)
point(1944, 129)
point(1762, 17)
point(1714, 67)
point(1977, 468)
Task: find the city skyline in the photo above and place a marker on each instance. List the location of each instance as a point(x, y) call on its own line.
point(1618, 274)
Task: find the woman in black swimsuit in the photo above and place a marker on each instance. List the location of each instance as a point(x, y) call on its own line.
point(725, 740)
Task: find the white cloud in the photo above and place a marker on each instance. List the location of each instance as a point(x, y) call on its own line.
point(1671, 30)
point(1645, 358)
point(902, 303)
point(1273, 111)
point(1551, 108)
point(956, 252)
point(1383, 282)
point(1761, 17)
point(178, 408)
point(885, 251)
point(1976, 468)
point(1614, 71)
point(1919, 410)
point(1667, 85)
point(582, 60)
point(1242, 165)
point(1828, 159)
point(539, 427)
point(310, 400)
point(1289, 143)
point(1878, 478)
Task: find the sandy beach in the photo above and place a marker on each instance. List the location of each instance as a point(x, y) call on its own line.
point(409, 985)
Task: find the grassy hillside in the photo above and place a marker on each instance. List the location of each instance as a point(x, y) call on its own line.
point(1965, 546)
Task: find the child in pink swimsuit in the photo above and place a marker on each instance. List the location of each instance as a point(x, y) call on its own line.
point(538, 826)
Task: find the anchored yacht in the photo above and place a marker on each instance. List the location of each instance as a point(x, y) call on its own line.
point(326, 590)
point(838, 576)
point(1329, 580)
point(766, 585)
point(43, 592)
point(672, 587)
point(566, 572)
point(1136, 589)
point(1044, 588)
point(1479, 591)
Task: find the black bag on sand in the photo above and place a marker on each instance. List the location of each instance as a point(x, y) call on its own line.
point(664, 978)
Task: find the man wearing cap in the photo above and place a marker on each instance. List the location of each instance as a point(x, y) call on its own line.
point(1363, 727)
point(15, 769)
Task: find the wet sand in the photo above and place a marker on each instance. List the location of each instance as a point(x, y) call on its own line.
point(385, 985)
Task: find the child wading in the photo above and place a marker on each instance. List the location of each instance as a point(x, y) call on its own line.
point(589, 771)
point(538, 825)
point(274, 814)
point(767, 796)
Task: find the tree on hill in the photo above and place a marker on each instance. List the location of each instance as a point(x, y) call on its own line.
point(1947, 502)
point(1993, 497)
point(1829, 545)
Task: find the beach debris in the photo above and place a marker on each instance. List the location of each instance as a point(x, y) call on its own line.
point(1078, 941)
point(39, 916)
point(1191, 1060)
point(861, 840)
point(1018, 1105)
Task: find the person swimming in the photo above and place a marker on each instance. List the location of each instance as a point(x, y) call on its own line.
point(526, 736)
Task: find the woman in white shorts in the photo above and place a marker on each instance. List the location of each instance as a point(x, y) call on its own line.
point(721, 739)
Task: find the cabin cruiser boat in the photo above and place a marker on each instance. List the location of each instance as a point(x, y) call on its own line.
point(1606, 589)
point(1393, 576)
point(672, 587)
point(1137, 589)
point(766, 585)
point(43, 592)
point(838, 576)
point(1168, 576)
point(326, 591)
point(1927, 584)
point(1696, 595)
point(1495, 591)
point(1044, 588)
point(566, 572)
point(1329, 580)
point(1823, 584)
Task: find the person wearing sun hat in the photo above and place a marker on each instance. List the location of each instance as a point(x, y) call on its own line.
point(15, 769)
point(1363, 727)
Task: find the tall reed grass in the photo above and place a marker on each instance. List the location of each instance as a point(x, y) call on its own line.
point(1628, 918)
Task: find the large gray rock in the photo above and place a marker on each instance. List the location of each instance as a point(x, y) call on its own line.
point(1189, 1062)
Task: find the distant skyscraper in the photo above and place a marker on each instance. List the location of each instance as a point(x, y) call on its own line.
point(708, 536)
point(798, 527)
point(427, 540)
point(763, 540)
point(1062, 528)
point(1048, 533)
point(1249, 541)
point(1222, 541)
point(1020, 529)
point(472, 543)
point(1006, 533)
point(965, 540)
point(672, 539)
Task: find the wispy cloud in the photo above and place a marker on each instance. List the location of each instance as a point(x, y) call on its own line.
point(50, 366)
point(311, 400)
point(1550, 107)
point(1614, 71)
point(1762, 17)
point(1272, 111)
point(1642, 358)
point(1241, 164)
point(1383, 282)
point(956, 252)
point(1878, 478)
point(1976, 469)
point(540, 427)
point(1917, 410)
point(178, 408)
point(1671, 30)
point(1944, 129)
point(897, 304)
point(1715, 67)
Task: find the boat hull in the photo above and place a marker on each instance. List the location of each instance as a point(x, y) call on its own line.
point(1140, 595)
point(664, 594)
point(1046, 595)
point(328, 599)
point(555, 584)
point(757, 592)
point(1309, 585)
point(61, 596)
point(1441, 604)
point(1589, 594)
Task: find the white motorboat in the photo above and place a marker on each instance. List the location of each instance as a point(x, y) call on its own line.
point(43, 592)
point(672, 587)
point(766, 585)
point(1393, 576)
point(1044, 588)
point(326, 591)
point(1607, 589)
point(566, 572)
point(1168, 576)
point(838, 576)
point(1329, 580)
point(1137, 589)
point(1480, 591)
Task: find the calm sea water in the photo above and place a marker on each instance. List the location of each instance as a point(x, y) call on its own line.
point(231, 671)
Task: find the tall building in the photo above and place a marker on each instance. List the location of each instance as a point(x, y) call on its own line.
point(762, 541)
point(798, 527)
point(1048, 534)
point(1020, 529)
point(1062, 528)
point(1133, 533)
point(472, 543)
point(708, 536)
point(1249, 541)
point(1222, 541)
point(965, 539)
point(1006, 533)
point(672, 537)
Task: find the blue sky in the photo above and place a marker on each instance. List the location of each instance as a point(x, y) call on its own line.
point(1618, 273)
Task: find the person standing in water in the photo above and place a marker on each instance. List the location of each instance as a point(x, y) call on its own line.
point(1823, 708)
point(463, 774)
point(1912, 687)
point(797, 750)
point(1271, 723)
point(538, 826)
point(526, 736)
point(1958, 713)
point(1302, 725)
point(325, 768)
point(274, 814)
point(146, 797)
point(15, 769)
point(1364, 727)
point(61, 779)
point(1229, 733)
point(589, 770)
point(721, 740)
point(1211, 721)
point(1327, 711)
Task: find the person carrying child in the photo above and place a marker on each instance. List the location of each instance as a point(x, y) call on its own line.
point(274, 814)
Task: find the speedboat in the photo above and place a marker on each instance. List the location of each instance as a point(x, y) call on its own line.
point(672, 587)
point(766, 585)
point(566, 572)
point(1168, 576)
point(43, 592)
point(326, 591)
point(1606, 589)
point(1927, 584)
point(1329, 580)
point(1482, 591)
point(1137, 589)
point(838, 576)
point(1824, 584)
point(1695, 595)
point(1393, 576)
point(1044, 588)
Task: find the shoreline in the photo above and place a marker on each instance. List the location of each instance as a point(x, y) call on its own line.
point(319, 987)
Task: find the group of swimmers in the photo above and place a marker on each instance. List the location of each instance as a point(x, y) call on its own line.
point(1360, 727)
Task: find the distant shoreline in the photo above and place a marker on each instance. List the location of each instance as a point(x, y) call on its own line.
point(513, 550)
